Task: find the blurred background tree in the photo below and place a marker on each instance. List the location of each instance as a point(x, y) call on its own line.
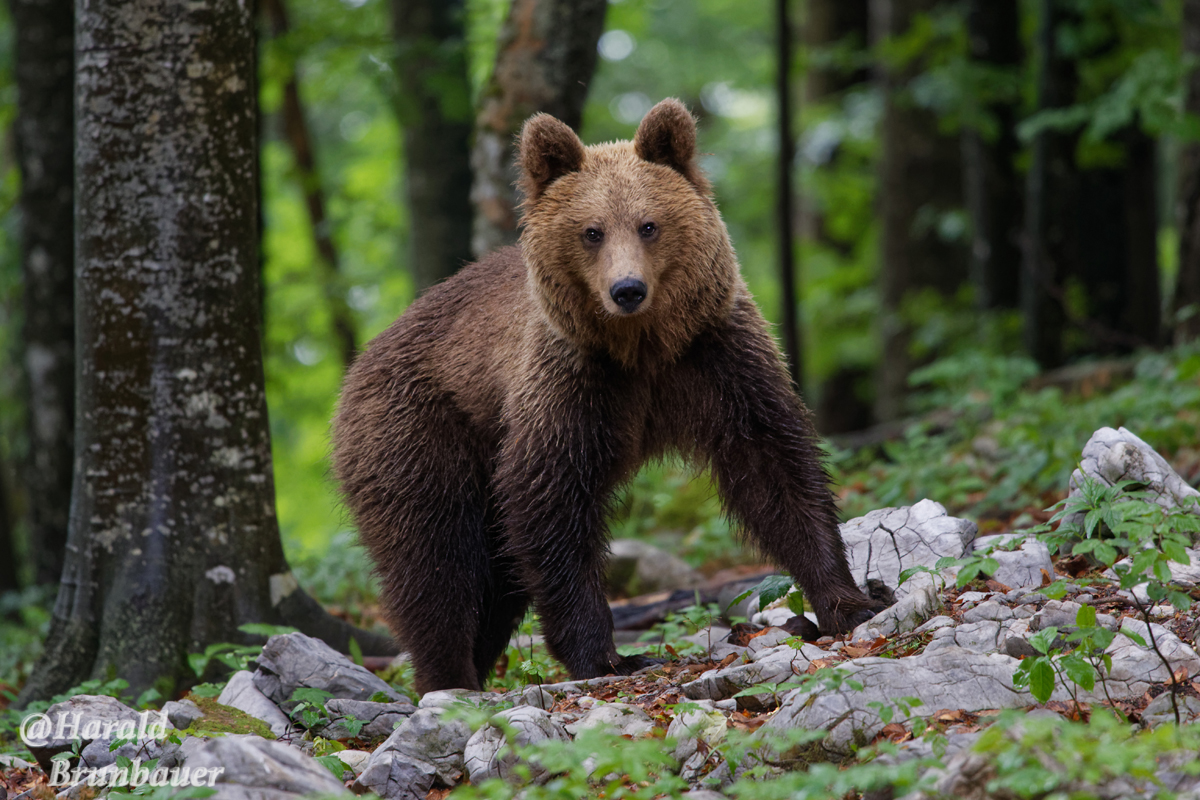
point(1005, 182)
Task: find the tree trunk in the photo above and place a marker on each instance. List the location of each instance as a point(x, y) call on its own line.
point(1051, 200)
point(828, 22)
point(991, 185)
point(1118, 250)
point(840, 406)
point(173, 537)
point(9, 579)
point(45, 153)
point(300, 140)
point(920, 178)
point(435, 111)
point(544, 62)
point(1187, 287)
point(793, 341)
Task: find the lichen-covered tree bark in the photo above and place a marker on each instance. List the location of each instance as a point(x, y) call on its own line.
point(434, 107)
point(173, 537)
point(544, 62)
point(919, 179)
point(44, 129)
point(1187, 287)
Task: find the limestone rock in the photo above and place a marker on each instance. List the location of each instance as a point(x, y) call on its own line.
point(294, 660)
point(242, 693)
point(625, 719)
point(182, 713)
point(908, 613)
point(950, 678)
point(1020, 568)
point(635, 568)
point(423, 749)
point(485, 757)
point(1112, 456)
point(380, 718)
point(886, 542)
point(253, 767)
point(84, 717)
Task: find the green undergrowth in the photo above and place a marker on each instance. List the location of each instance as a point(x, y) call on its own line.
point(1011, 449)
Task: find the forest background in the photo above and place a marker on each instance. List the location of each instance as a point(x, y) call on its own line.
point(984, 190)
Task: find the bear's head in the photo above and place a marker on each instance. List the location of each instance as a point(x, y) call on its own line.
point(626, 250)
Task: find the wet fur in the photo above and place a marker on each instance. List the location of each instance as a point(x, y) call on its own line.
point(479, 438)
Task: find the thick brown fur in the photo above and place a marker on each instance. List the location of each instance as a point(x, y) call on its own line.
point(479, 438)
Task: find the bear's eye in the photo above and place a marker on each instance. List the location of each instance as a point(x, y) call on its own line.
point(648, 230)
point(593, 235)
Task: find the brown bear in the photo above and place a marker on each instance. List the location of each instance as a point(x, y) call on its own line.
point(480, 438)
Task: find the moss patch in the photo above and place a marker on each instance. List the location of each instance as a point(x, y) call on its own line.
point(220, 719)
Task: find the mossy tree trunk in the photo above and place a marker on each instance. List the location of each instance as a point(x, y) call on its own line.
point(545, 60)
point(173, 537)
point(44, 129)
point(434, 107)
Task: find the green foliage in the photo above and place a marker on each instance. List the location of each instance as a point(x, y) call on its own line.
point(671, 631)
point(1044, 756)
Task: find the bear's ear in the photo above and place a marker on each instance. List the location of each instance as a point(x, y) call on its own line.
point(667, 136)
point(549, 150)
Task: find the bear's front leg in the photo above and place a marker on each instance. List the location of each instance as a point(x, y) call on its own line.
point(556, 469)
point(736, 409)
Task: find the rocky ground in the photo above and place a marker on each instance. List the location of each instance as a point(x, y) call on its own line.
point(930, 675)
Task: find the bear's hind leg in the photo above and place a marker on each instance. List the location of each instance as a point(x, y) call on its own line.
point(433, 587)
point(504, 605)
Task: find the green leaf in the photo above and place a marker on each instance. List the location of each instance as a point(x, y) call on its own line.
point(208, 689)
point(1043, 639)
point(795, 603)
point(1086, 617)
point(1041, 680)
point(356, 654)
point(334, 764)
point(263, 629)
point(1079, 671)
point(1055, 591)
point(197, 661)
point(1136, 638)
point(771, 588)
point(305, 694)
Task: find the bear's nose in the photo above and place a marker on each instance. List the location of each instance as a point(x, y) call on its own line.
point(628, 293)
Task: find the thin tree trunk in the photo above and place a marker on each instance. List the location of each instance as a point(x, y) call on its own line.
point(300, 140)
point(991, 185)
point(435, 111)
point(920, 177)
point(173, 537)
point(828, 22)
point(793, 342)
point(840, 405)
point(1051, 201)
point(8, 547)
point(1118, 250)
point(45, 153)
point(1187, 288)
point(545, 61)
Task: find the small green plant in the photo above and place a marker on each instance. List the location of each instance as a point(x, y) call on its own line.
point(235, 656)
point(1123, 528)
point(670, 633)
point(310, 706)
